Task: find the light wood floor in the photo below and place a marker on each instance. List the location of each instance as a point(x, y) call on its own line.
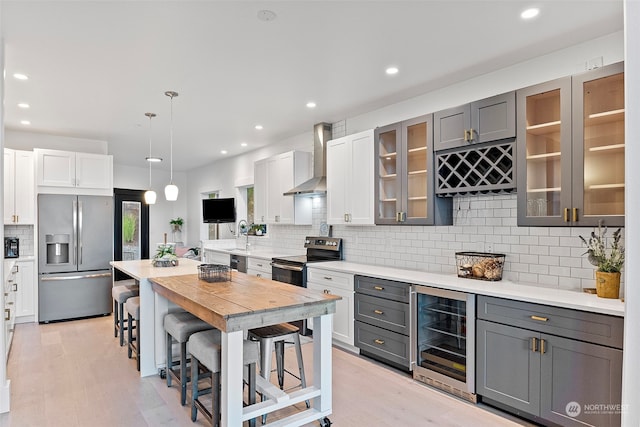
point(75, 374)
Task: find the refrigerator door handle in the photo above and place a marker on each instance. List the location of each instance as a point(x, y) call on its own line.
point(85, 276)
point(80, 232)
point(75, 230)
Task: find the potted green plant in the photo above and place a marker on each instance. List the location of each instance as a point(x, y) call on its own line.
point(608, 260)
point(177, 223)
point(165, 256)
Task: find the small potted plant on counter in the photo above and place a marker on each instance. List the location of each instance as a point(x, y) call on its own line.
point(176, 223)
point(608, 260)
point(165, 256)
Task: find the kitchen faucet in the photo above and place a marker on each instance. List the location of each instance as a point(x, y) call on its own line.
point(243, 229)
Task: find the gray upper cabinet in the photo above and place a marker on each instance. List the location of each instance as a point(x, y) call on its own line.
point(490, 119)
point(570, 150)
point(404, 175)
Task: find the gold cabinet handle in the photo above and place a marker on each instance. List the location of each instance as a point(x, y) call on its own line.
point(15, 287)
point(378, 311)
point(471, 133)
point(7, 313)
point(575, 214)
point(377, 341)
point(378, 288)
point(542, 350)
point(540, 318)
point(534, 344)
point(566, 214)
point(327, 291)
point(466, 135)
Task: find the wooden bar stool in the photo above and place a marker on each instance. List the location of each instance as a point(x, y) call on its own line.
point(179, 326)
point(132, 306)
point(205, 351)
point(120, 293)
point(278, 335)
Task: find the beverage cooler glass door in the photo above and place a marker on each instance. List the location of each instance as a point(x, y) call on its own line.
point(445, 339)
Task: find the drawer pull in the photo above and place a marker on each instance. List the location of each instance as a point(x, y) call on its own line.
point(328, 278)
point(534, 344)
point(7, 314)
point(327, 291)
point(378, 311)
point(540, 319)
point(378, 288)
point(259, 265)
point(378, 341)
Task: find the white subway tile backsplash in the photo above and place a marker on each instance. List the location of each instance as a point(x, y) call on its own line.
point(551, 256)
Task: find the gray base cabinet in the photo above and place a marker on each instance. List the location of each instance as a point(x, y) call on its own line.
point(562, 380)
point(382, 320)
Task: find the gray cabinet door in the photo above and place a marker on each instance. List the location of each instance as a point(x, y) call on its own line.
point(507, 368)
point(579, 375)
point(449, 127)
point(493, 118)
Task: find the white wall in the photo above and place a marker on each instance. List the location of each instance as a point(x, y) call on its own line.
point(229, 177)
point(27, 141)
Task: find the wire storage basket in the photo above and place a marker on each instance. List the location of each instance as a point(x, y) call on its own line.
point(214, 273)
point(480, 265)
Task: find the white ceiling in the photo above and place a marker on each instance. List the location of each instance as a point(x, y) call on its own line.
point(95, 67)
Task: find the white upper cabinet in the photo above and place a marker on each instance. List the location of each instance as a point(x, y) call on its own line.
point(19, 187)
point(350, 179)
point(68, 172)
point(272, 178)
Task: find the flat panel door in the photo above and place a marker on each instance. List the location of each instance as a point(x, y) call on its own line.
point(449, 127)
point(388, 160)
point(360, 199)
point(580, 375)
point(338, 170)
point(285, 182)
point(94, 171)
point(599, 146)
point(25, 296)
point(507, 368)
point(417, 170)
point(9, 186)
point(544, 154)
point(343, 317)
point(25, 201)
point(494, 118)
point(95, 232)
point(55, 168)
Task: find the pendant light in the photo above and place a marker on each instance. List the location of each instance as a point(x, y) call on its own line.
point(171, 190)
point(150, 195)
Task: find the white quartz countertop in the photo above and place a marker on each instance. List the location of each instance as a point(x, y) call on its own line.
point(255, 252)
point(143, 269)
point(502, 289)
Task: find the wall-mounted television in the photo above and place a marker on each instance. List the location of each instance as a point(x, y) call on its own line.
point(218, 210)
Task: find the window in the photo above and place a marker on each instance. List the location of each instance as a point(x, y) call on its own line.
point(213, 228)
point(250, 205)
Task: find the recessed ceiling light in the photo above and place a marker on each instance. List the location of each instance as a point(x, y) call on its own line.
point(25, 122)
point(244, 144)
point(259, 127)
point(392, 70)
point(311, 104)
point(23, 105)
point(21, 76)
point(530, 13)
point(266, 15)
point(223, 151)
point(153, 159)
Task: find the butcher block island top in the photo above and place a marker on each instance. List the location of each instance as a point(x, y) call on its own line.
point(244, 302)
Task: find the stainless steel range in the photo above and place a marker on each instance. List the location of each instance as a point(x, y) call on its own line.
point(293, 269)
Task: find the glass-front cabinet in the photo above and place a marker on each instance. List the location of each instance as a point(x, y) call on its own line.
point(404, 174)
point(571, 150)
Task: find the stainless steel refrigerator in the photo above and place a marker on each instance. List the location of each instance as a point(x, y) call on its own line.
point(75, 246)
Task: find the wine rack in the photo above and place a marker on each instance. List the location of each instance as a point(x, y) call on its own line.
point(476, 170)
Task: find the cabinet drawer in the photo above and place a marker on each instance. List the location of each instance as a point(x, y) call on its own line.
point(397, 291)
point(259, 264)
point(385, 344)
point(382, 312)
point(330, 278)
point(581, 325)
point(258, 273)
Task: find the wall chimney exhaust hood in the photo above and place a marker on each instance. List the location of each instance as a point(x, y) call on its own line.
point(318, 184)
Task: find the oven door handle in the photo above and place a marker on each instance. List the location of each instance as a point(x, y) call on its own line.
point(286, 267)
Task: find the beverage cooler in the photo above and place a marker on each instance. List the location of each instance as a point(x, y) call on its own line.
point(444, 340)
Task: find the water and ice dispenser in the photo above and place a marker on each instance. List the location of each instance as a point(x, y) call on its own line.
point(57, 248)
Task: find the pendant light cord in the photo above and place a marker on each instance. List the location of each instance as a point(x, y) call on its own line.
point(171, 142)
